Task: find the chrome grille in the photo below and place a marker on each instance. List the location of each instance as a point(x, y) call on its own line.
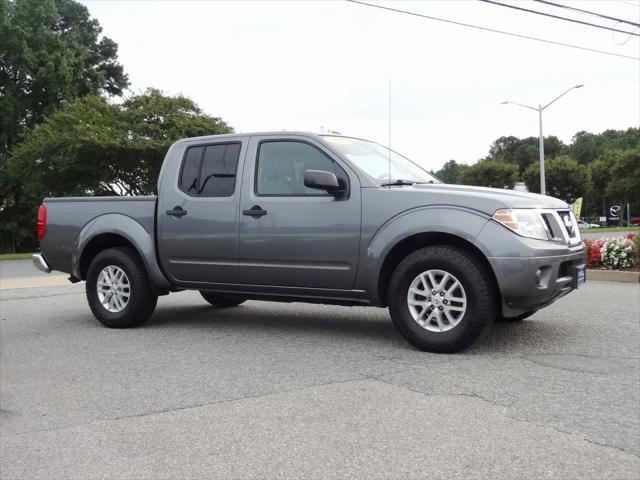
point(568, 223)
point(562, 226)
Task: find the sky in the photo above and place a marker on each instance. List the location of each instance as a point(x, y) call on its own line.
point(333, 65)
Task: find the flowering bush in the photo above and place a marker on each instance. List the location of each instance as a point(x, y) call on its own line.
point(618, 252)
point(636, 242)
point(594, 257)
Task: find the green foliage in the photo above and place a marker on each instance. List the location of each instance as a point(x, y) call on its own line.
point(450, 172)
point(602, 182)
point(93, 147)
point(50, 53)
point(624, 174)
point(490, 173)
point(565, 178)
point(587, 147)
point(524, 152)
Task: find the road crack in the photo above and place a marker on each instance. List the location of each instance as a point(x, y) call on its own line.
point(504, 409)
point(181, 408)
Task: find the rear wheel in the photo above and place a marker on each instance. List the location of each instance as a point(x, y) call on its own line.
point(118, 289)
point(222, 301)
point(441, 299)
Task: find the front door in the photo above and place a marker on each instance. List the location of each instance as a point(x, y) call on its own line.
point(291, 235)
point(198, 213)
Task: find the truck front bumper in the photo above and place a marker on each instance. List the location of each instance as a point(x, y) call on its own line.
point(530, 283)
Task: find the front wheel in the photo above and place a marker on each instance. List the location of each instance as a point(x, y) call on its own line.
point(441, 299)
point(118, 289)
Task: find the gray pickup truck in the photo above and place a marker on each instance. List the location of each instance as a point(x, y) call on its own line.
point(299, 217)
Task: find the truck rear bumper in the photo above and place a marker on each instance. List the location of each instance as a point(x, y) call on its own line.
point(530, 283)
point(40, 263)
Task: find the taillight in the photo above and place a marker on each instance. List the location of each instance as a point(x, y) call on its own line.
point(41, 224)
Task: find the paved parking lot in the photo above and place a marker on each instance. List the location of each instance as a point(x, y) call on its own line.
point(292, 390)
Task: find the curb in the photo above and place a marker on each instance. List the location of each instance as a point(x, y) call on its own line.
point(613, 276)
point(33, 282)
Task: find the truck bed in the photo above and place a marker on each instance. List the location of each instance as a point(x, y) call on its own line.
point(68, 216)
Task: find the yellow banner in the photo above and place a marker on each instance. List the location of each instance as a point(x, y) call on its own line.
point(577, 207)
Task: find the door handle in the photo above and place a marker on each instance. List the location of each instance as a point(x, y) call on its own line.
point(177, 212)
point(256, 211)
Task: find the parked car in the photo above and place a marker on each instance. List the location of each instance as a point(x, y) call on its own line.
point(298, 217)
point(582, 225)
point(635, 220)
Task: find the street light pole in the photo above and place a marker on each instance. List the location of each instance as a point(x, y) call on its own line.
point(539, 109)
point(543, 187)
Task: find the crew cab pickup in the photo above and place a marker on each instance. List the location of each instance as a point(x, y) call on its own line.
point(299, 217)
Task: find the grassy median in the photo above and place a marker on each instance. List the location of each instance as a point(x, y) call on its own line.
point(15, 256)
point(611, 230)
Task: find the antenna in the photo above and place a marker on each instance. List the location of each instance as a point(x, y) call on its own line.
point(389, 140)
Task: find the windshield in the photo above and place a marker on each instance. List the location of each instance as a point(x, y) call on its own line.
point(374, 159)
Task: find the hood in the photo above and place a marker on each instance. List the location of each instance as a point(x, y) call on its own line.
point(487, 200)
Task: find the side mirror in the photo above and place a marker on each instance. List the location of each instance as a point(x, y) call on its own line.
point(323, 180)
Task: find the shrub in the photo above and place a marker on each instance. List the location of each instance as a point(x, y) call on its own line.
point(594, 257)
point(636, 245)
point(618, 253)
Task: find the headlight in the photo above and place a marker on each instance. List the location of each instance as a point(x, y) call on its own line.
point(522, 221)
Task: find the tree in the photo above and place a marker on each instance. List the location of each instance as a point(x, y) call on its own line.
point(587, 147)
point(93, 147)
point(490, 173)
point(450, 172)
point(50, 53)
point(624, 175)
point(523, 152)
point(599, 173)
point(565, 178)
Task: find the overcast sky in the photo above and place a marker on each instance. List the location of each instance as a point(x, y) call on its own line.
point(311, 64)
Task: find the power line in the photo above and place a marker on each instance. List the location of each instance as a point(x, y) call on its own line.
point(595, 14)
point(477, 27)
point(528, 10)
point(637, 5)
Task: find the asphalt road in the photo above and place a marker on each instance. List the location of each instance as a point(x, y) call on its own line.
point(269, 390)
point(11, 269)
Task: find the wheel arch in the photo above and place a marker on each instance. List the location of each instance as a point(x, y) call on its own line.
point(99, 243)
point(420, 240)
point(116, 230)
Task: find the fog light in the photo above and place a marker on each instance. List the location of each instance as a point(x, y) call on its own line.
point(538, 277)
point(542, 276)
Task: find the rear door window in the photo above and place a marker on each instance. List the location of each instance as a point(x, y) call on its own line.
point(210, 171)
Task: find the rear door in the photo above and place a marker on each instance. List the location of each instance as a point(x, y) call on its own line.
point(198, 213)
point(297, 236)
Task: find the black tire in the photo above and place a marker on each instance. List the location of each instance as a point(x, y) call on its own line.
point(142, 300)
point(222, 301)
point(478, 285)
point(517, 318)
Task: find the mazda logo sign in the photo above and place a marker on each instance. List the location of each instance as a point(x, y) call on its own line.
point(614, 210)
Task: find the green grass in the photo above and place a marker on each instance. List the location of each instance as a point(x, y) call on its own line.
point(633, 228)
point(15, 256)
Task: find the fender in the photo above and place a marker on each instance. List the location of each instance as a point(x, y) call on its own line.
point(462, 222)
point(131, 230)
